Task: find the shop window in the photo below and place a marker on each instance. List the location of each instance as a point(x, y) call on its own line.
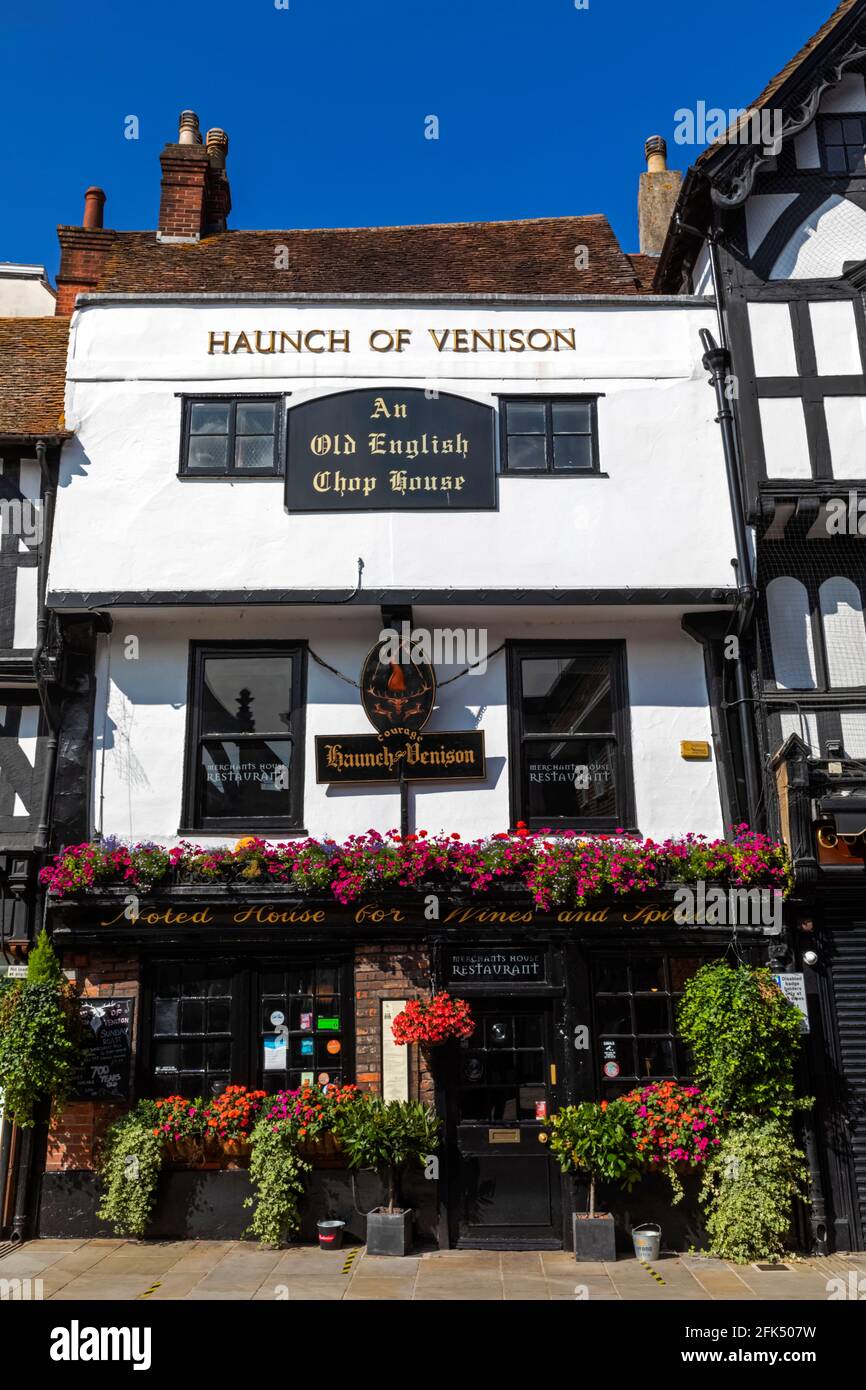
point(246, 1021)
point(636, 998)
point(570, 756)
point(191, 1048)
point(552, 435)
point(301, 1026)
point(245, 737)
point(231, 436)
point(844, 144)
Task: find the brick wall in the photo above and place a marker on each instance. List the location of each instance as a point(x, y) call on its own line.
point(76, 1131)
point(388, 972)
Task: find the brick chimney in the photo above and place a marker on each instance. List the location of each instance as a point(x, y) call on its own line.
point(83, 251)
point(657, 196)
point(195, 199)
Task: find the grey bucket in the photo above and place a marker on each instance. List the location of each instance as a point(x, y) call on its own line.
point(647, 1242)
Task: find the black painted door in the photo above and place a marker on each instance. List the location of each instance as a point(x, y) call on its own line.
point(505, 1189)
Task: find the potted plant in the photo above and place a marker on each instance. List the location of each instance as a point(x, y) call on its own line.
point(181, 1130)
point(595, 1138)
point(39, 1037)
point(434, 1021)
point(386, 1136)
point(229, 1121)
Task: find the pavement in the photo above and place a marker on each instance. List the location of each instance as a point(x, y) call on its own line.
point(97, 1270)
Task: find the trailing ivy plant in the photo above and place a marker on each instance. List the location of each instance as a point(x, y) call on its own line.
point(130, 1165)
point(277, 1172)
point(749, 1187)
point(39, 1036)
point(744, 1037)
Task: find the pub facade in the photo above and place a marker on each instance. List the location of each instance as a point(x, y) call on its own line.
point(417, 532)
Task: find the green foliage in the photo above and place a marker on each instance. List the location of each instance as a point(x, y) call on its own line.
point(386, 1136)
point(39, 1046)
point(744, 1036)
point(130, 1166)
point(43, 967)
point(749, 1187)
point(596, 1139)
point(277, 1172)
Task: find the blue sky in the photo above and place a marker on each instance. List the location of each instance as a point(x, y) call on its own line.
point(542, 108)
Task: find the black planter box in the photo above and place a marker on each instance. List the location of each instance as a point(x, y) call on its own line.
point(594, 1238)
point(389, 1232)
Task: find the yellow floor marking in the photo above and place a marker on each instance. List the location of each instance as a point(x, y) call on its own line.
point(649, 1269)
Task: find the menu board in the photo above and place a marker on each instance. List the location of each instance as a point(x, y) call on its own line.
point(106, 1065)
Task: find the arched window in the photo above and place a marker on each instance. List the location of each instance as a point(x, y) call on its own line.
point(791, 634)
point(841, 606)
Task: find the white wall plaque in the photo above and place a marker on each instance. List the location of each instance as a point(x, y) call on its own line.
point(395, 1059)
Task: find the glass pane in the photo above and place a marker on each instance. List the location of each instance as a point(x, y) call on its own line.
point(504, 1105)
point(273, 982)
point(836, 160)
point(302, 1014)
point(852, 131)
point(301, 980)
point(165, 1016)
point(211, 418)
point(219, 1016)
point(168, 981)
point(474, 1105)
point(572, 451)
point(647, 973)
point(572, 417)
point(219, 1054)
point(472, 1067)
point(614, 1015)
point(192, 1056)
point(254, 451)
point(651, 1014)
point(245, 779)
point(498, 1032)
point(326, 979)
point(207, 452)
point(530, 1068)
point(682, 968)
point(856, 161)
point(255, 418)
point(166, 1056)
point(501, 1068)
point(192, 1016)
point(569, 779)
point(246, 695)
point(833, 132)
point(655, 1057)
point(527, 451)
point(528, 1030)
point(529, 1096)
point(196, 979)
point(525, 417)
point(611, 976)
point(566, 695)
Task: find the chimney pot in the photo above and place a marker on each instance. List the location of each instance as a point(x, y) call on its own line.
point(217, 142)
point(94, 202)
point(656, 150)
point(189, 132)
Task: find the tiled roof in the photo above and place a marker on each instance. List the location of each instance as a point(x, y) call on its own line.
point(32, 376)
point(535, 256)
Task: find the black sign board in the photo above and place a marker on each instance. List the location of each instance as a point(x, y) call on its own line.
point(390, 450)
point(344, 758)
point(104, 1073)
point(506, 965)
point(397, 694)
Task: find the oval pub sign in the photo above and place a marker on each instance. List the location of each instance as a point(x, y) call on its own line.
point(397, 694)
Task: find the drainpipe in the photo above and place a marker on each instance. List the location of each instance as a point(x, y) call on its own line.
point(717, 361)
point(49, 496)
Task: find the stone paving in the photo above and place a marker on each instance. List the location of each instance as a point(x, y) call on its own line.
point(233, 1270)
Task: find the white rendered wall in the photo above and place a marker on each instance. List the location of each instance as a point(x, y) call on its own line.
point(661, 518)
point(139, 734)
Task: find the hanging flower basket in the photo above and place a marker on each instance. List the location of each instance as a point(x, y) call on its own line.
point(429, 1022)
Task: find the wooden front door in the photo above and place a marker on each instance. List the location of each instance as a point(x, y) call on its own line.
point(505, 1191)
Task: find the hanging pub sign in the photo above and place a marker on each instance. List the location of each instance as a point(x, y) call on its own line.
point(390, 450)
point(397, 696)
point(103, 1072)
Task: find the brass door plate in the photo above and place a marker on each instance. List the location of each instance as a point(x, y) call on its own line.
point(503, 1136)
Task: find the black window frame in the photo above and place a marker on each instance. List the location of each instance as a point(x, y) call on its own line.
point(549, 401)
point(824, 124)
point(611, 1087)
point(247, 971)
point(276, 470)
point(625, 817)
point(199, 653)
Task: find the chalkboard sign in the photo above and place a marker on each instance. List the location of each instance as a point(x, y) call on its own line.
point(104, 1072)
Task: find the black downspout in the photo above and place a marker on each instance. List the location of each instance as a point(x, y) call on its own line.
point(717, 361)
